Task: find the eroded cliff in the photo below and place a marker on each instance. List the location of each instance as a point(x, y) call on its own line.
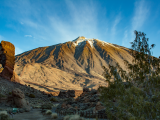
point(7, 61)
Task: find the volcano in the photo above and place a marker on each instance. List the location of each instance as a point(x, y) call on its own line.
point(71, 65)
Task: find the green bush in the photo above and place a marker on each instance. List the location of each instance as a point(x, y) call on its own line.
point(31, 96)
point(47, 106)
point(134, 103)
point(1, 96)
point(69, 99)
point(10, 93)
point(53, 99)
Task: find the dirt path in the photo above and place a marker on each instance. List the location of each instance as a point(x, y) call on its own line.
point(35, 114)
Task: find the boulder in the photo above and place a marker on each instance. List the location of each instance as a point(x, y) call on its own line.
point(93, 91)
point(19, 99)
point(18, 93)
point(63, 94)
point(71, 93)
point(85, 89)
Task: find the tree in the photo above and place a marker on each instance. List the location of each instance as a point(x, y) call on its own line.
point(139, 96)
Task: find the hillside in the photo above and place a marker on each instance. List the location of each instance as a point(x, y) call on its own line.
point(71, 65)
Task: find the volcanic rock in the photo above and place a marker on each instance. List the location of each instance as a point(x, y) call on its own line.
point(69, 93)
point(7, 59)
point(87, 102)
point(19, 99)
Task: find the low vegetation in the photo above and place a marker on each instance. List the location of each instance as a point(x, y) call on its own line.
point(139, 97)
point(4, 116)
point(53, 99)
point(31, 95)
point(1, 95)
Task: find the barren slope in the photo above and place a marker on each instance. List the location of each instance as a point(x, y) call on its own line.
point(71, 65)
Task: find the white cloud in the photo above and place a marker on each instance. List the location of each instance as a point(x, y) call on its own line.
point(140, 15)
point(113, 29)
point(28, 36)
point(31, 23)
point(83, 22)
point(18, 50)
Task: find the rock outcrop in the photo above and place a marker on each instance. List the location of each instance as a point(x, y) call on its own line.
point(69, 93)
point(7, 61)
point(87, 102)
point(19, 99)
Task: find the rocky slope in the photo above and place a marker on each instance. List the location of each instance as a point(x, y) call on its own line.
point(71, 65)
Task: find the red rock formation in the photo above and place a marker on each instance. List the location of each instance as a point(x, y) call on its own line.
point(7, 59)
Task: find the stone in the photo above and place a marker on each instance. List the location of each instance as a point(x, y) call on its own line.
point(49, 95)
point(87, 101)
point(19, 99)
point(71, 93)
point(18, 93)
point(63, 94)
point(63, 105)
point(85, 89)
point(93, 91)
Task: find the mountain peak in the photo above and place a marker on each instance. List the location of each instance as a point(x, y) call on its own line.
point(82, 40)
point(81, 37)
point(71, 65)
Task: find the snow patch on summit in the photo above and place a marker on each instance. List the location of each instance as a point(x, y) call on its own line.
point(81, 41)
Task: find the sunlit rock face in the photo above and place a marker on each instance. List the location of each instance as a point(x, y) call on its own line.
point(71, 65)
point(7, 61)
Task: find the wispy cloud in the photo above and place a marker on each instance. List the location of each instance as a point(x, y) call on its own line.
point(22, 23)
point(138, 19)
point(140, 15)
point(113, 29)
point(28, 36)
point(30, 23)
point(82, 21)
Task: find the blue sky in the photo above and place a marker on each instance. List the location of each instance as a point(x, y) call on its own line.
point(30, 24)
